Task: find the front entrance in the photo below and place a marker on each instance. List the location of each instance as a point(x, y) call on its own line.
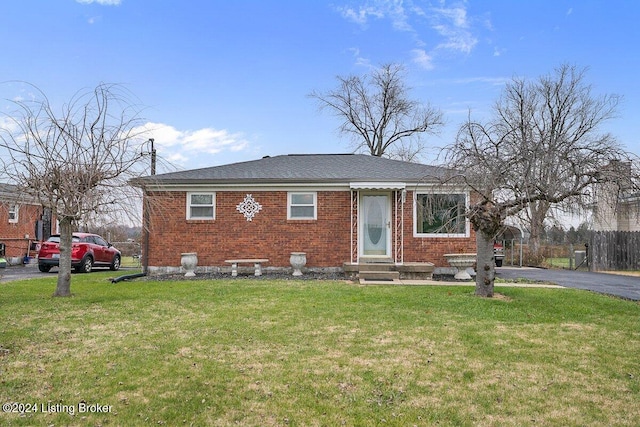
point(375, 226)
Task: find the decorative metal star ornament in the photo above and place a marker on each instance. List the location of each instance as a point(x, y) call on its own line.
point(249, 207)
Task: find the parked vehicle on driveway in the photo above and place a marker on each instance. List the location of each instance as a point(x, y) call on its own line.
point(87, 251)
point(498, 254)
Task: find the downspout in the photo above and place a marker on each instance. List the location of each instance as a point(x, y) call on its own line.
point(403, 198)
point(145, 232)
point(395, 229)
point(351, 237)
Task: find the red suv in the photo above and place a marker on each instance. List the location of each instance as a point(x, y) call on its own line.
point(498, 253)
point(88, 251)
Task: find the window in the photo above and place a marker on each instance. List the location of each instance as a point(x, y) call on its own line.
point(100, 241)
point(200, 205)
point(13, 214)
point(441, 214)
point(302, 206)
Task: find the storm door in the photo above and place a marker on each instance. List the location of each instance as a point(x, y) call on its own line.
point(375, 225)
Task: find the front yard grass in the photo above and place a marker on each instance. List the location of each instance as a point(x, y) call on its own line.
point(305, 353)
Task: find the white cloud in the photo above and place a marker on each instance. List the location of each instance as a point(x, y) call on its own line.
point(457, 16)
point(452, 24)
point(360, 60)
point(177, 159)
point(492, 81)
point(423, 59)
point(179, 147)
point(102, 2)
point(379, 9)
point(361, 15)
point(9, 125)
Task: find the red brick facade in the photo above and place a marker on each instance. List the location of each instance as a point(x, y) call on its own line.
point(18, 236)
point(326, 240)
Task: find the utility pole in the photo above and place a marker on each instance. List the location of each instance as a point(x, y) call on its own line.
point(153, 157)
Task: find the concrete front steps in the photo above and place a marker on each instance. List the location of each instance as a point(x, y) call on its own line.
point(384, 270)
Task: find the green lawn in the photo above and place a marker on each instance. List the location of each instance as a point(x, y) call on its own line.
point(558, 263)
point(128, 261)
point(305, 353)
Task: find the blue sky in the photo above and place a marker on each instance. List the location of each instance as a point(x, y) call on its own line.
point(226, 81)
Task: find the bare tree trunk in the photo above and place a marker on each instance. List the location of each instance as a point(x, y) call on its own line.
point(63, 288)
point(538, 213)
point(487, 220)
point(486, 269)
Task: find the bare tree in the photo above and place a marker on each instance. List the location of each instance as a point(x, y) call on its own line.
point(76, 161)
point(542, 148)
point(378, 114)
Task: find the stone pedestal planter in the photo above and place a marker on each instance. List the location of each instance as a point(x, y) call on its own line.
point(189, 261)
point(14, 260)
point(463, 262)
point(298, 260)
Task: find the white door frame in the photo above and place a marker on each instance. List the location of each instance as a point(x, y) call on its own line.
point(382, 217)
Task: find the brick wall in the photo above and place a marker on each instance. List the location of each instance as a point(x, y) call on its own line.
point(270, 235)
point(13, 234)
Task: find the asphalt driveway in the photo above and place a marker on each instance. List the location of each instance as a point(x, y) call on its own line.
point(627, 287)
point(19, 272)
point(29, 271)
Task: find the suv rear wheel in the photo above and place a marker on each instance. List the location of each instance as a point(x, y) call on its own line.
point(86, 265)
point(44, 268)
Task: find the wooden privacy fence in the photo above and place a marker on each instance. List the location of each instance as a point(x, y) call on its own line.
point(614, 250)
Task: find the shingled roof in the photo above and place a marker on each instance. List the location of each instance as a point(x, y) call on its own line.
point(14, 194)
point(304, 168)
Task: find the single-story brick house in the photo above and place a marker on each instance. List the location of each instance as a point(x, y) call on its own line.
point(23, 223)
point(340, 209)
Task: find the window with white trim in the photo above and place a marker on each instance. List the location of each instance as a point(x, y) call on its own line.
point(441, 215)
point(13, 213)
point(302, 206)
point(201, 205)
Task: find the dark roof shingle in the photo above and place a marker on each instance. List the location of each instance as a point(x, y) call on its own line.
point(305, 168)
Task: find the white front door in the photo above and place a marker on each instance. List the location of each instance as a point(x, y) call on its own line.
point(375, 226)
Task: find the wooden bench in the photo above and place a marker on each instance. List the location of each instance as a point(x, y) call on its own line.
point(257, 263)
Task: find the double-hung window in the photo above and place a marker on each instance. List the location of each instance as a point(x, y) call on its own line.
point(201, 205)
point(441, 215)
point(13, 213)
point(302, 206)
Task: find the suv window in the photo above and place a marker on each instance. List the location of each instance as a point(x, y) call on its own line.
point(56, 239)
point(100, 241)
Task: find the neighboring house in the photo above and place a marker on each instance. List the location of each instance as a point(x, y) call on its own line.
point(341, 209)
point(23, 223)
point(616, 205)
point(625, 216)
